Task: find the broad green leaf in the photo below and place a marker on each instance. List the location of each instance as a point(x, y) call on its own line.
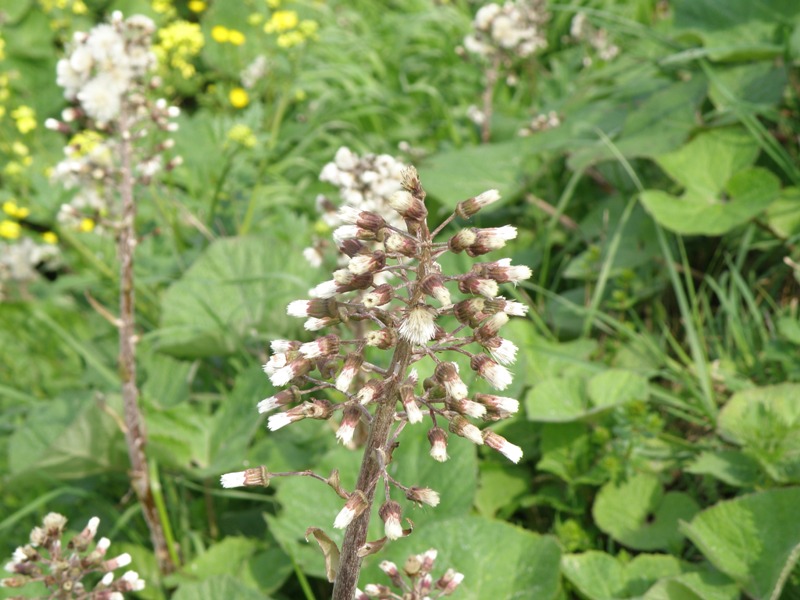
point(307, 502)
point(754, 539)
point(600, 576)
point(69, 437)
point(166, 380)
point(499, 486)
point(238, 289)
point(217, 587)
point(765, 421)
point(560, 399)
point(730, 466)
point(783, 215)
point(456, 175)
point(497, 559)
point(228, 556)
point(638, 514)
point(696, 585)
point(759, 86)
point(721, 192)
point(568, 452)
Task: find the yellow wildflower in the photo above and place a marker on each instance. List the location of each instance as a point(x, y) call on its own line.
point(49, 237)
point(236, 37)
point(178, 43)
point(86, 225)
point(273, 4)
point(84, 142)
point(300, 95)
point(79, 7)
point(220, 34)
point(255, 19)
point(12, 168)
point(292, 38)
point(162, 6)
point(197, 6)
point(281, 20)
point(308, 27)
point(238, 97)
point(20, 149)
point(25, 118)
point(242, 134)
point(9, 229)
point(2, 49)
point(12, 209)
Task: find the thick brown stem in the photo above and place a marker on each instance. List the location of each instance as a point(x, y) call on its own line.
point(380, 428)
point(135, 436)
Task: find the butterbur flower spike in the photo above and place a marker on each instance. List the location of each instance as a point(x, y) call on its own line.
point(391, 307)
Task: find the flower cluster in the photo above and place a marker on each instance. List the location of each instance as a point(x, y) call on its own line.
point(62, 567)
point(338, 374)
point(290, 29)
point(414, 582)
point(541, 122)
point(597, 38)
point(105, 74)
point(365, 184)
point(514, 29)
point(178, 44)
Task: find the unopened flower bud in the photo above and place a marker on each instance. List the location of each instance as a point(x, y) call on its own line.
point(493, 238)
point(292, 370)
point(469, 207)
point(449, 581)
point(383, 338)
point(396, 243)
point(470, 311)
point(367, 263)
point(378, 297)
point(371, 391)
point(423, 496)
point(498, 404)
point(255, 477)
point(352, 364)
point(438, 439)
point(408, 206)
point(460, 426)
point(498, 376)
point(374, 590)
point(502, 445)
point(468, 408)
point(315, 324)
point(282, 398)
point(354, 506)
point(123, 560)
point(462, 240)
point(347, 427)
point(434, 286)
point(391, 513)
point(503, 351)
point(409, 401)
point(502, 271)
point(491, 326)
point(427, 559)
point(361, 218)
point(446, 373)
point(391, 570)
point(487, 288)
point(318, 307)
point(324, 346)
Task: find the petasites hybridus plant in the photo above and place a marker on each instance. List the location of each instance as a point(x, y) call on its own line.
point(124, 136)
point(62, 568)
point(406, 319)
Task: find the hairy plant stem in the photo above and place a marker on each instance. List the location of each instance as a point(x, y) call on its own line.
point(371, 465)
point(492, 73)
point(135, 437)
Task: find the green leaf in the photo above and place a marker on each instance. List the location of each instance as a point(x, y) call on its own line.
point(754, 539)
point(228, 556)
point(499, 486)
point(729, 466)
point(783, 215)
point(697, 585)
point(560, 399)
point(600, 576)
point(765, 421)
point(497, 559)
point(216, 587)
point(721, 192)
point(237, 288)
point(456, 175)
point(759, 86)
point(638, 514)
point(71, 437)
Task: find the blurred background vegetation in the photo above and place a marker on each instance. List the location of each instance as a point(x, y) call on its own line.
point(648, 156)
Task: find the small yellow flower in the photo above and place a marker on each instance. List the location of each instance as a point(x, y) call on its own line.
point(255, 19)
point(12, 209)
point(281, 20)
point(308, 27)
point(236, 37)
point(12, 168)
point(25, 118)
point(162, 6)
point(291, 38)
point(238, 98)
point(273, 4)
point(20, 149)
point(86, 225)
point(79, 7)
point(2, 49)
point(220, 34)
point(300, 95)
point(242, 134)
point(49, 237)
point(197, 6)
point(9, 229)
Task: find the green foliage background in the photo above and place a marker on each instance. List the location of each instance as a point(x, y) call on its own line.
point(660, 365)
